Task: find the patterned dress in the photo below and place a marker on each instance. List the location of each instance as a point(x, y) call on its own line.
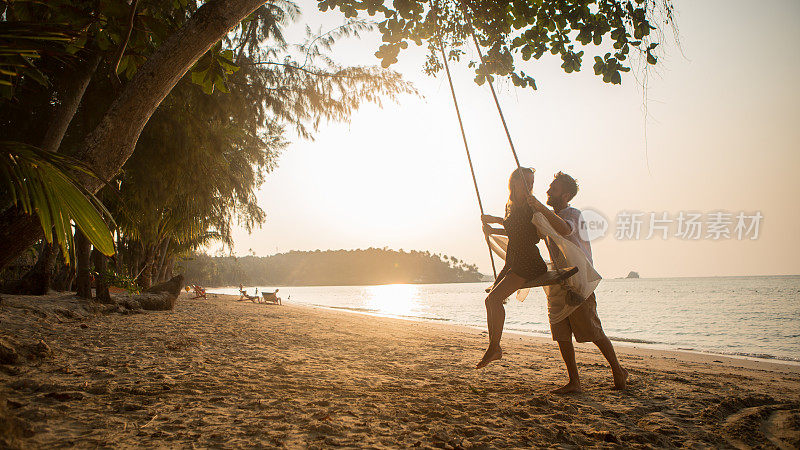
point(522, 256)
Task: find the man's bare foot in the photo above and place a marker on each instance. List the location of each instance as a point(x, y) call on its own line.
point(492, 354)
point(620, 380)
point(569, 388)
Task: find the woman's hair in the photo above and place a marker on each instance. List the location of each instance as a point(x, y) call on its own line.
point(515, 184)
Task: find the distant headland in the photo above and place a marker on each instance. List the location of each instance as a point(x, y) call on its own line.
point(329, 268)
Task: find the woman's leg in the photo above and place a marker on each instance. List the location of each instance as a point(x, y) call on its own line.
point(496, 315)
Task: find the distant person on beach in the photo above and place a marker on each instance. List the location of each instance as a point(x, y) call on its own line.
point(583, 323)
point(523, 261)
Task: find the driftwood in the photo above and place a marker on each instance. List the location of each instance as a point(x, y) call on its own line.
point(161, 297)
point(174, 286)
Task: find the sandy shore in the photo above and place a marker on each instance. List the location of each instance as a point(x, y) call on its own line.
point(219, 373)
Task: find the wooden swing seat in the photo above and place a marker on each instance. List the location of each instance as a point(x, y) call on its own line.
point(551, 277)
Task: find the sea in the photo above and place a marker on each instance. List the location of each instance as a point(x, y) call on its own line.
point(751, 317)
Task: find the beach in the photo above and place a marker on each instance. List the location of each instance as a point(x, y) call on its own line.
point(222, 373)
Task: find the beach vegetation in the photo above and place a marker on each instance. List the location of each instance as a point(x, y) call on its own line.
point(328, 268)
point(212, 134)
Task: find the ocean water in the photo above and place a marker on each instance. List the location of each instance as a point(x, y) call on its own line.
point(741, 316)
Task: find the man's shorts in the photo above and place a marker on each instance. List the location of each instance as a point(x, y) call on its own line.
point(583, 323)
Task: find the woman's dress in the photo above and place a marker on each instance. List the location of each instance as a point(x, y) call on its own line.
point(522, 255)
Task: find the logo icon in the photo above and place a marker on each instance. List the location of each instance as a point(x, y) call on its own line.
point(594, 225)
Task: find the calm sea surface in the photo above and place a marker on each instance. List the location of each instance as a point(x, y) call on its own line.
point(745, 316)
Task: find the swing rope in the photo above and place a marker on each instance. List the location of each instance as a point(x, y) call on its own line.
point(551, 277)
point(491, 87)
point(463, 134)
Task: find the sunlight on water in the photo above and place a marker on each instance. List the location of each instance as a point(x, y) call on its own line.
point(745, 316)
point(394, 299)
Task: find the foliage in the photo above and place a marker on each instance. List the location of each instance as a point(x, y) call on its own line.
point(201, 157)
point(331, 267)
point(207, 148)
point(120, 280)
point(514, 30)
point(21, 43)
point(38, 182)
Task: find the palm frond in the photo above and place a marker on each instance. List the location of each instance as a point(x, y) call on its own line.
point(41, 183)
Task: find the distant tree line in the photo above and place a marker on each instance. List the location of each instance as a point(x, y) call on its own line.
point(328, 268)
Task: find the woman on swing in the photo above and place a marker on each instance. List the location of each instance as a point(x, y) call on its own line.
point(523, 261)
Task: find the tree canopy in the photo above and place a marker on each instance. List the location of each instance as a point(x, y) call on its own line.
point(200, 158)
point(515, 31)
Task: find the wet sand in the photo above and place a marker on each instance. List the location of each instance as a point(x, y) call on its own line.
point(221, 373)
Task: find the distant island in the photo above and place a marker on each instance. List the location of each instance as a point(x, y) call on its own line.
point(329, 268)
point(633, 274)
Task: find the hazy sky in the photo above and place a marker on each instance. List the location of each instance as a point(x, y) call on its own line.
point(721, 134)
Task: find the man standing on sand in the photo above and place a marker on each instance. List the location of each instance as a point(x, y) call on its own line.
point(583, 322)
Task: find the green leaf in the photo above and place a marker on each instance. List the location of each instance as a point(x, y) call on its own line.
point(40, 183)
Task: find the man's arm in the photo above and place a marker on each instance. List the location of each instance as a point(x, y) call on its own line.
point(558, 224)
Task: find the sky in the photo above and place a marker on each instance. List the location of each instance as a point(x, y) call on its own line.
point(716, 130)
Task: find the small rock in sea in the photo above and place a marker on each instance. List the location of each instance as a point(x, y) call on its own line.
point(8, 354)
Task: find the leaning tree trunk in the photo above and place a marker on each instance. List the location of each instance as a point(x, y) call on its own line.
point(84, 288)
point(100, 281)
point(70, 96)
point(111, 143)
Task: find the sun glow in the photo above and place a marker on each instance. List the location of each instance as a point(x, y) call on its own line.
point(395, 299)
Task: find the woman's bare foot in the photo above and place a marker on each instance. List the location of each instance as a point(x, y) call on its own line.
point(569, 388)
point(620, 380)
point(492, 354)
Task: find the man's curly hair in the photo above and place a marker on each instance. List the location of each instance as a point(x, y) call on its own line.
point(569, 184)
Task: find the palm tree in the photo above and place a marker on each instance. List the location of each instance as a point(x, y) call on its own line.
point(38, 182)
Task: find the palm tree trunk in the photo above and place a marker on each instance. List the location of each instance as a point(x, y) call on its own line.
point(82, 246)
point(162, 258)
point(145, 279)
point(100, 284)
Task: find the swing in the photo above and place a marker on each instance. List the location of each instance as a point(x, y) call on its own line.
point(551, 277)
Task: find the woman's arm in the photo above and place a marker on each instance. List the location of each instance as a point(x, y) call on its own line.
point(486, 218)
point(487, 230)
point(558, 224)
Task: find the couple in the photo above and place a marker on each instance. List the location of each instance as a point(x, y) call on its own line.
point(523, 262)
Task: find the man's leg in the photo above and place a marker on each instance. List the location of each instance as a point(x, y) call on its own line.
point(568, 355)
point(620, 374)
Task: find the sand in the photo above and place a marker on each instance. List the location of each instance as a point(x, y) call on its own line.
point(220, 373)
